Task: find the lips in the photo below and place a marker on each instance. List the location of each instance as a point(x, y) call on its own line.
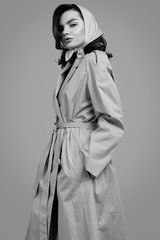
point(67, 40)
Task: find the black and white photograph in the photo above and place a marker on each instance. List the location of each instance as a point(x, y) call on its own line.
point(79, 132)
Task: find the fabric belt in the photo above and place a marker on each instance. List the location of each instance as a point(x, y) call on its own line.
point(89, 125)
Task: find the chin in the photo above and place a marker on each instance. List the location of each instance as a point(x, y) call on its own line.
point(70, 47)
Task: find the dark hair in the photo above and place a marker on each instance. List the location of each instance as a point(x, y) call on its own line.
point(56, 18)
point(98, 44)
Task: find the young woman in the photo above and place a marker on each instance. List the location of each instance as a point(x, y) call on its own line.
point(76, 195)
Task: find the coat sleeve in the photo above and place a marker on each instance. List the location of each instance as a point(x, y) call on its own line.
point(107, 107)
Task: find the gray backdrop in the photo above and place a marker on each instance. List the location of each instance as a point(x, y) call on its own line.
point(28, 73)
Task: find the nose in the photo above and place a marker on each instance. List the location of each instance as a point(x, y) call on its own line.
point(65, 31)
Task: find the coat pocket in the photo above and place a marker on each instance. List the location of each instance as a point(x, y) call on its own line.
point(71, 158)
point(84, 143)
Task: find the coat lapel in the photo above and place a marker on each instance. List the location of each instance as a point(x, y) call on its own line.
point(70, 74)
point(61, 79)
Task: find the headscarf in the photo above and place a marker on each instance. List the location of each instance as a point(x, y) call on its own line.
point(92, 31)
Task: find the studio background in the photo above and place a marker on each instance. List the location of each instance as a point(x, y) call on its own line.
point(28, 74)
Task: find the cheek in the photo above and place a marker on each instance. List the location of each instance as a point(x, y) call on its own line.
point(81, 34)
point(80, 31)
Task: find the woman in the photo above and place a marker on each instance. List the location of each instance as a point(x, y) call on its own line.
point(76, 195)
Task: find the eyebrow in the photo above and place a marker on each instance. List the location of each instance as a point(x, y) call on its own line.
point(69, 21)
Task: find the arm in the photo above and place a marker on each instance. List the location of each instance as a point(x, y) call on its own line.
point(107, 107)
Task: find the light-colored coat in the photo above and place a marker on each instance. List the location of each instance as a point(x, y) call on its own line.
point(89, 204)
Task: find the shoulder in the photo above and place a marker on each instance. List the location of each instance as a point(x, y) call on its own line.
point(97, 62)
point(97, 57)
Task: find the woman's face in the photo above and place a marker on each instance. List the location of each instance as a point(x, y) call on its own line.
point(72, 29)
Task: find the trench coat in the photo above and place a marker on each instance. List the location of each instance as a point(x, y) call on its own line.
point(77, 167)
